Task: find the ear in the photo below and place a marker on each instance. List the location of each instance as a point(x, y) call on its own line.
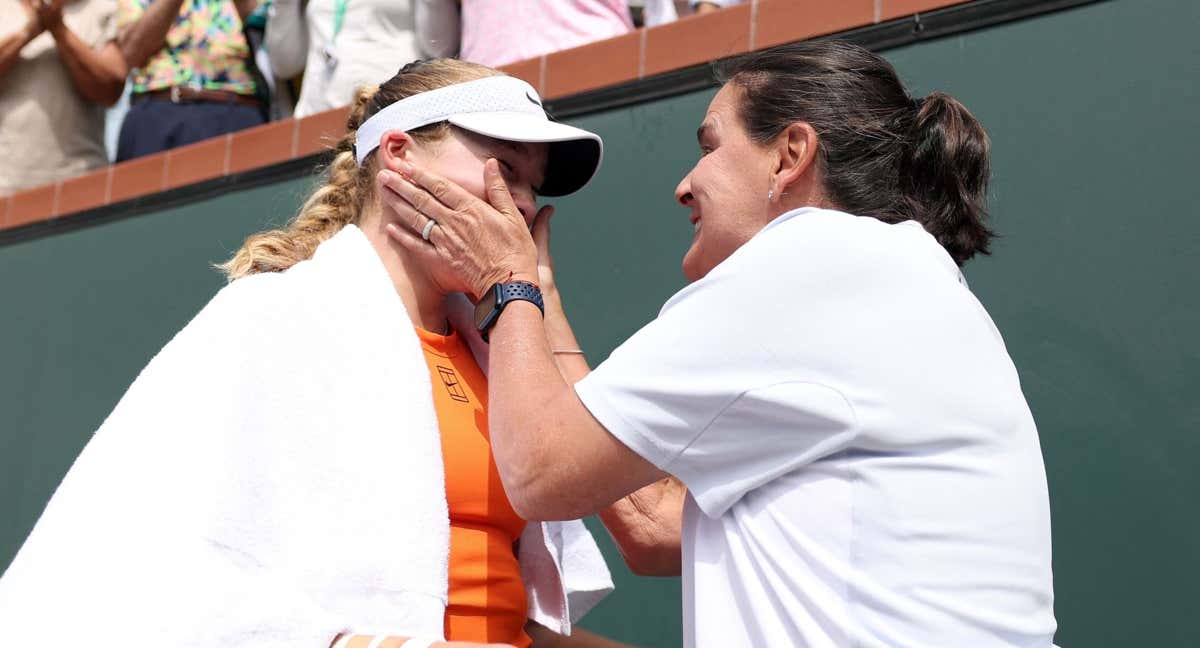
point(395, 146)
point(797, 149)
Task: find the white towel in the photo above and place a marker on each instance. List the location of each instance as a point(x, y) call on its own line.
point(272, 478)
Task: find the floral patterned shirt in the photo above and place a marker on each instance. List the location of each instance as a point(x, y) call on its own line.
point(205, 48)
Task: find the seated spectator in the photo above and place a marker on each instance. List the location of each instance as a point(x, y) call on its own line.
point(192, 78)
point(338, 45)
point(486, 32)
point(59, 67)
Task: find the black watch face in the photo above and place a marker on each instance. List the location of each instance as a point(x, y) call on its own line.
point(484, 308)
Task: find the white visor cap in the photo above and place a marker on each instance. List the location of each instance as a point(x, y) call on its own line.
point(502, 107)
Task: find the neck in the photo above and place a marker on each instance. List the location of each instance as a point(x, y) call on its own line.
point(424, 301)
point(796, 197)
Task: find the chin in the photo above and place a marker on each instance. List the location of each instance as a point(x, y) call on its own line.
point(693, 270)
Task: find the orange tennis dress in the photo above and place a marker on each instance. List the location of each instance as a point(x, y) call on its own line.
point(487, 597)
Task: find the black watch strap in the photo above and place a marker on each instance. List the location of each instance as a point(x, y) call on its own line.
point(488, 310)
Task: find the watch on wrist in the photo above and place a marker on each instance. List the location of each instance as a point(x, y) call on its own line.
point(488, 310)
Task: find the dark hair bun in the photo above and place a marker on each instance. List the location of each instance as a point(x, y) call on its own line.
point(946, 174)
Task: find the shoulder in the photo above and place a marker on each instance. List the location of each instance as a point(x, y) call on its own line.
point(256, 293)
point(252, 310)
point(837, 248)
point(829, 236)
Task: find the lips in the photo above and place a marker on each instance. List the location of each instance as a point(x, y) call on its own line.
point(695, 219)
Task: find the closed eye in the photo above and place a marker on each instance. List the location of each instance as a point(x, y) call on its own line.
point(508, 169)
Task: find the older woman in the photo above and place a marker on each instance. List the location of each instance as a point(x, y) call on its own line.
point(308, 462)
point(862, 468)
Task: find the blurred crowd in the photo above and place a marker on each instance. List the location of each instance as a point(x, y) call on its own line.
point(195, 69)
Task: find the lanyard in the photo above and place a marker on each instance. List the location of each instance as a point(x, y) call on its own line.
point(339, 15)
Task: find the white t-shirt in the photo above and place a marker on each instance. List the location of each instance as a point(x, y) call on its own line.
point(862, 467)
point(376, 39)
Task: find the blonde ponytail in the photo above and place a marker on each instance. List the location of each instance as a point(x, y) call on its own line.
point(340, 200)
point(331, 207)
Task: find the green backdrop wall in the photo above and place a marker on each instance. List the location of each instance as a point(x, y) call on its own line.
point(1094, 119)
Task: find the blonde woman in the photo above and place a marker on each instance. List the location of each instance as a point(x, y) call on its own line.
point(307, 463)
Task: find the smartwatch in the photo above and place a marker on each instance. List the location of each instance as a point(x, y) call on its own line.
point(488, 310)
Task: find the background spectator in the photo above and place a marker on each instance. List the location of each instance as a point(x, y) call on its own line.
point(338, 45)
point(192, 79)
point(498, 32)
point(706, 6)
point(648, 13)
point(58, 68)
point(281, 94)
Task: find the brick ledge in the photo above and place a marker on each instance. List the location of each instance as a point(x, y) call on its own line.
point(692, 40)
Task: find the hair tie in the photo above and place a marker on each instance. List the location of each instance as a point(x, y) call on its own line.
point(916, 103)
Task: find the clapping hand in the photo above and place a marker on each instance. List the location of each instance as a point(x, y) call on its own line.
point(33, 23)
point(49, 12)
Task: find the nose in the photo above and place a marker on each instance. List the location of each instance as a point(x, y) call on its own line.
point(683, 191)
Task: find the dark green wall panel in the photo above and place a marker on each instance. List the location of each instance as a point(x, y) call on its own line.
point(1093, 114)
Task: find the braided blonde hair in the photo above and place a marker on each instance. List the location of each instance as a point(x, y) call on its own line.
point(339, 201)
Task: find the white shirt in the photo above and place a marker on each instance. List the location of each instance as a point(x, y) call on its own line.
point(862, 467)
point(377, 38)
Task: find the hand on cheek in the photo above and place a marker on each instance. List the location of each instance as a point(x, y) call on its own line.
point(473, 244)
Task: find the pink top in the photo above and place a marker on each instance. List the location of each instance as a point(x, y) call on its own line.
point(498, 32)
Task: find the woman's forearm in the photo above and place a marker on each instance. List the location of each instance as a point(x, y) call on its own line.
point(647, 525)
point(579, 638)
point(147, 36)
point(12, 44)
point(556, 460)
point(98, 75)
point(391, 641)
point(572, 364)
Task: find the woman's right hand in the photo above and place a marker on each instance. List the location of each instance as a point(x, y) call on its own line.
point(472, 243)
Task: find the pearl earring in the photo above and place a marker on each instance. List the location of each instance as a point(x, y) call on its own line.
point(770, 195)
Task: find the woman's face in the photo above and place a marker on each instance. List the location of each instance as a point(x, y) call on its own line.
point(460, 158)
point(727, 189)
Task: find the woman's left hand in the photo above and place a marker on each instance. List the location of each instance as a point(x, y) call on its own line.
point(473, 245)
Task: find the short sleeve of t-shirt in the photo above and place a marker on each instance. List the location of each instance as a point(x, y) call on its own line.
point(710, 392)
point(108, 22)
